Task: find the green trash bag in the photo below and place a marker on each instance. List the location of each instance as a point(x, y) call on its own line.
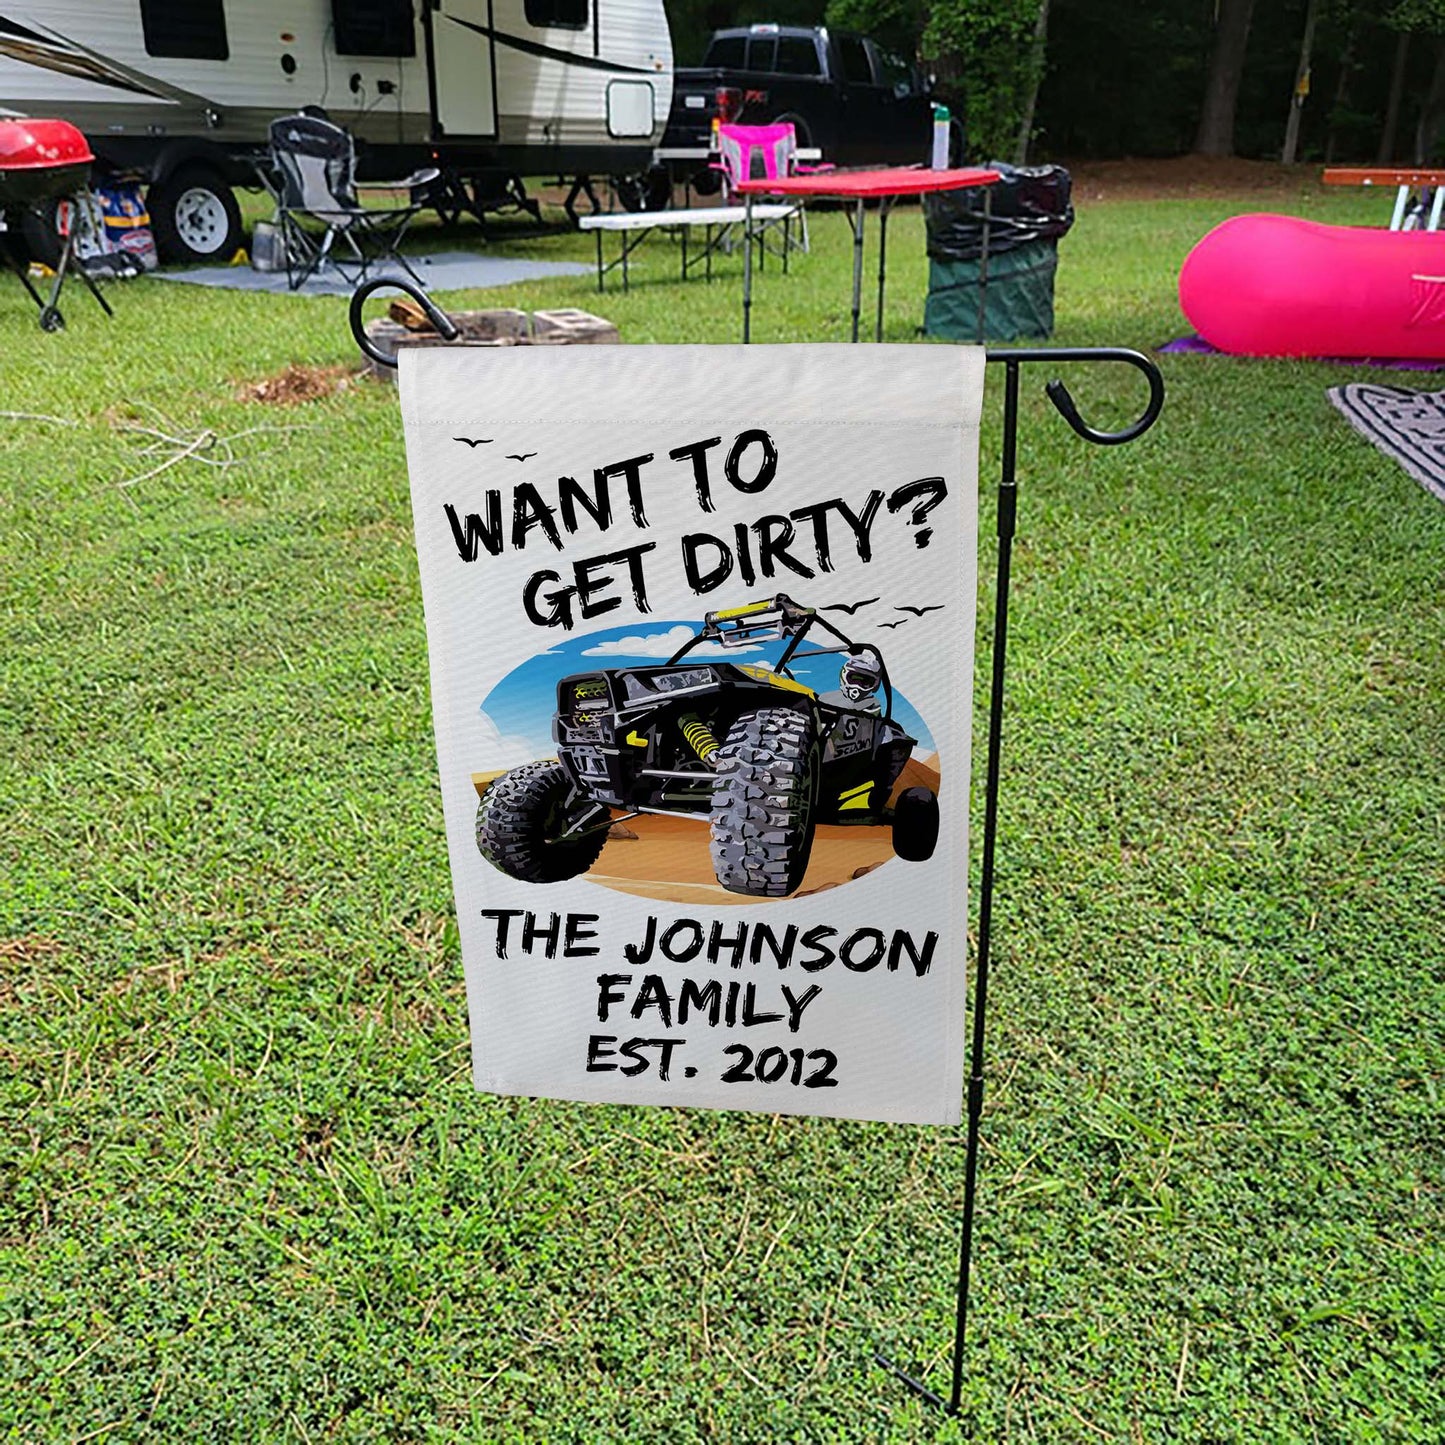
point(1018, 300)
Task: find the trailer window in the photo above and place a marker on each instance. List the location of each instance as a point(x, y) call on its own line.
point(373, 27)
point(558, 14)
point(185, 29)
point(797, 55)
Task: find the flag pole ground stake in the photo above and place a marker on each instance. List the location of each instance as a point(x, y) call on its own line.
point(1058, 394)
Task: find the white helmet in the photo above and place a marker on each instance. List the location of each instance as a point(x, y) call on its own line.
point(861, 676)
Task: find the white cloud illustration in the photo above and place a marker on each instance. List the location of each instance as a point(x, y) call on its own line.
point(499, 750)
point(662, 644)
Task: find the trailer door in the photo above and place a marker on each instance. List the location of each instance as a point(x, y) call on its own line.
point(463, 69)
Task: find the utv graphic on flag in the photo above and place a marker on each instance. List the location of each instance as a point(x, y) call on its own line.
point(762, 756)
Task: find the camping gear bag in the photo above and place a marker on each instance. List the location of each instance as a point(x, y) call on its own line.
point(126, 223)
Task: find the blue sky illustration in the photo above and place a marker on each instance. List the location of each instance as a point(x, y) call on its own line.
point(520, 706)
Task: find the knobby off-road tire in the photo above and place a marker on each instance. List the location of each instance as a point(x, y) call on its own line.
point(519, 819)
point(915, 824)
point(764, 803)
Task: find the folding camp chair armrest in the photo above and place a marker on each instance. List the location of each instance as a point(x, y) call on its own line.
point(423, 177)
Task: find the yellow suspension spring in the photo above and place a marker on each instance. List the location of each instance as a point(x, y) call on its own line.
point(699, 737)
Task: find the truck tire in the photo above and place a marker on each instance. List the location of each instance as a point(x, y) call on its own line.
point(518, 821)
point(649, 190)
point(915, 824)
point(194, 215)
point(764, 804)
point(802, 131)
point(706, 182)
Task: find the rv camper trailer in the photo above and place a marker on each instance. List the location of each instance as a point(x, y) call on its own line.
point(182, 91)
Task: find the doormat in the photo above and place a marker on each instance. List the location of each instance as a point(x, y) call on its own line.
point(1406, 425)
point(445, 271)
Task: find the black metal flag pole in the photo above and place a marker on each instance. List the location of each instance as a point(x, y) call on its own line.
point(1058, 394)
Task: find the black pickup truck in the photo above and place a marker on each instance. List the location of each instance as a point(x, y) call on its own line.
point(844, 94)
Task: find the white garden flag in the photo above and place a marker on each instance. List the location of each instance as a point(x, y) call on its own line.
point(701, 633)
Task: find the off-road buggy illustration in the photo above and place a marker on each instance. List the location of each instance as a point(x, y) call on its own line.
point(765, 758)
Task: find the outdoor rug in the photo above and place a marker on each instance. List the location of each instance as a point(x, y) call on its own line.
point(445, 271)
point(1406, 425)
point(1197, 346)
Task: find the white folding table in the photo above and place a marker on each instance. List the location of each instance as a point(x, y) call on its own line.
point(634, 227)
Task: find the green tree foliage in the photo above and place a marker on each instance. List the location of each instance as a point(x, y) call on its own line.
point(898, 24)
point(1417, 16)
point(1128, 80)
point(1123, 79)
point(983, 52)
point(980, 51)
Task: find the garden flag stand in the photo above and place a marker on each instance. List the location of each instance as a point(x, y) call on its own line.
point(703, 725)
point(1058, 394)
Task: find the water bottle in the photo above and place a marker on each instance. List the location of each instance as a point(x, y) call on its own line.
point(266, 247)
point(940, 138)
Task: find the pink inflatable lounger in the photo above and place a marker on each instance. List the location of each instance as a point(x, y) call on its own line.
point(1278, 286)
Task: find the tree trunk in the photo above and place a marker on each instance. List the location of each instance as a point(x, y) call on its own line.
point(1428, 127)
point(1301, 86)
point(1342, 91)
point(1388, 136)
point(1037, 56)
point(1221, 91)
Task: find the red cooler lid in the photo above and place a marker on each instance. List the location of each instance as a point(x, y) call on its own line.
point(27, 144)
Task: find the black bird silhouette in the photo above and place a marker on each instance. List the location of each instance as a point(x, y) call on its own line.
point(899, 623)
point(919, 611)
point(849, 607)
point(473, 441)
point(519, 456)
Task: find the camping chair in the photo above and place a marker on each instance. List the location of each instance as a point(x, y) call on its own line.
point(762, 152)
point(314, 161)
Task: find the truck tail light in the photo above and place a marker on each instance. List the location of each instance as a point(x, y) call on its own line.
point(729, 103)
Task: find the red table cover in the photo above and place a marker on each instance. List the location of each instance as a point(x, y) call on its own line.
point(888, 181)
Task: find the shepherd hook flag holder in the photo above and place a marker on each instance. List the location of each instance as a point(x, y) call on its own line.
point(1063, 402)
point(1058, 394)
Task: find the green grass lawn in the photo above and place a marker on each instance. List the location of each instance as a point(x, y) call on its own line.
point(246, 1189)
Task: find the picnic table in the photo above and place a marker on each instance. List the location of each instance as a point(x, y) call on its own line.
point(1406, 180)
point(719, 222)
point(884, 185)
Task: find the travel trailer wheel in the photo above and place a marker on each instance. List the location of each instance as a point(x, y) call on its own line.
point(194, 216)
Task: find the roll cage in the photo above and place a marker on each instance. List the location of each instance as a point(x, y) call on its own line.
point(772, 620)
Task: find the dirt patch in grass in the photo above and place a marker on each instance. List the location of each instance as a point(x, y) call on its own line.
point(1184, 177)
point(298, 384)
